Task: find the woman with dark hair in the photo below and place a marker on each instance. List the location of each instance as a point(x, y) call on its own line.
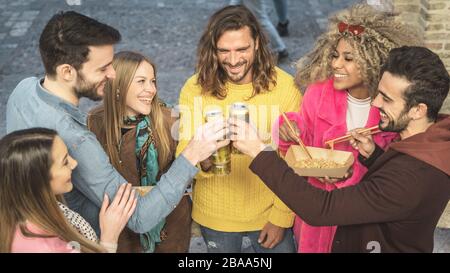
point(35, 171)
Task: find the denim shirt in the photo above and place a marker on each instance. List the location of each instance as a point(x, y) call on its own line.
point(30, 105)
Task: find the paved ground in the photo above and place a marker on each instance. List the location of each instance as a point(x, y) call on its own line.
point(165, 30)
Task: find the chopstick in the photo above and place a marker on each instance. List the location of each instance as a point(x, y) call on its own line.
point(372, 130)
point(298, 140)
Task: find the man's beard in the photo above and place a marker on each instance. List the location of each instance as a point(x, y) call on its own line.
point(397, 126)
point(87, 89)
point(233, 77)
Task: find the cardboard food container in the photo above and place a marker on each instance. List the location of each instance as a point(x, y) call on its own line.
point(296, 154)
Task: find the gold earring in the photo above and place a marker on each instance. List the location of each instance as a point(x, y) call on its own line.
point(117, 94)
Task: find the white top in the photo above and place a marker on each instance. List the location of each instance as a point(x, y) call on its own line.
point(357, 112)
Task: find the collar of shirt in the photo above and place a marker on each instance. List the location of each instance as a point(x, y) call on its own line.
point(55, 101)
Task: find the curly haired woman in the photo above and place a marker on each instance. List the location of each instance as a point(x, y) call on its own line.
point(341, 74)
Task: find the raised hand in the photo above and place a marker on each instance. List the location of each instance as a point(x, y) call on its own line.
point(286, 134)
point(245, 138)
point(207, 139)
point(363, 143)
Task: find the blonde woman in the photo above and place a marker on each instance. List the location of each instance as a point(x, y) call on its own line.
point(134, 128)
point(35, 171)
point(341, 75)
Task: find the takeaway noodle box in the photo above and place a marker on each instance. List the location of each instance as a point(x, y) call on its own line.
point(295, 157)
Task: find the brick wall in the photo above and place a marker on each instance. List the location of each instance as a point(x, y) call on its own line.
point(432, 17)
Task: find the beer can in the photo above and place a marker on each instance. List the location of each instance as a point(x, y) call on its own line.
point(221, 159)
point(239, 110)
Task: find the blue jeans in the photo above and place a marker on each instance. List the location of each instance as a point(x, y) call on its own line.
point(231, 242)
point(259, 9)
point(281, 8)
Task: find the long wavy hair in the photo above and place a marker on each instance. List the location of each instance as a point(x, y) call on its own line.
point(26, 194)
point(126, 63)
point(370, 48)
point(211, 76)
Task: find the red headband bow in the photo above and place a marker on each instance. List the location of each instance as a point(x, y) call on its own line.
point(354, 29)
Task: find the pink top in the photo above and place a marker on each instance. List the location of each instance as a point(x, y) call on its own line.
point(23, 244)
point(323, 117)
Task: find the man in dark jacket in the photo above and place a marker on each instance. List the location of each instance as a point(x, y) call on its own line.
point(396, 206)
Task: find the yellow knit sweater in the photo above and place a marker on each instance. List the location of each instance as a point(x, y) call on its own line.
point(239, 201)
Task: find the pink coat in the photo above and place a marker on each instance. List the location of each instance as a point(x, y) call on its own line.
point(23, 244)
point(323, 117)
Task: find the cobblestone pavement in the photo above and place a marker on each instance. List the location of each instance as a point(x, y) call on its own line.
point(165, 30)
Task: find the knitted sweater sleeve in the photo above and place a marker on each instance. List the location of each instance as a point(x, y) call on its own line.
point(280, 214)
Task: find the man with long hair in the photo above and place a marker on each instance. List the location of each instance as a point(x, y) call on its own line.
point(235, 65)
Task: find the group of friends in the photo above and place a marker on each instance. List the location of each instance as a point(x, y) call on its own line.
point(69, 179)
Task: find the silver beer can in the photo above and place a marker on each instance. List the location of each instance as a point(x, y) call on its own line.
point(240, 111)
point(221, 159)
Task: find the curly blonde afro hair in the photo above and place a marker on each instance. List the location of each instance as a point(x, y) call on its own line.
point(370, 48)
